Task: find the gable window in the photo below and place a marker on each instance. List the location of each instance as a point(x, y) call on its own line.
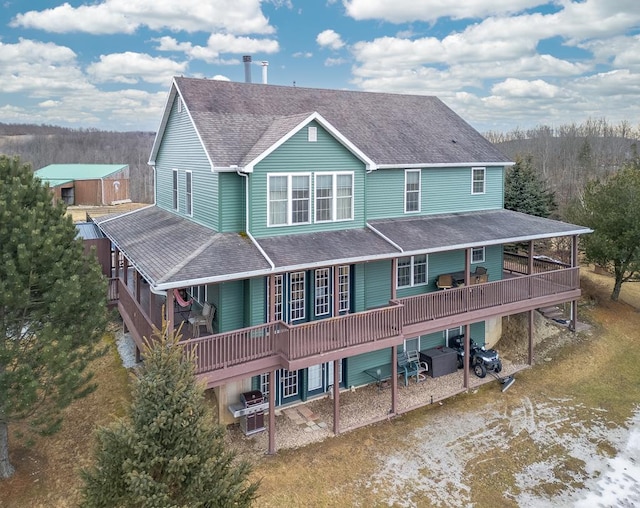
point(174, 189)
point(477, 255)
point(333, 197)
point(478, 180)
point(289, 199)
point(312, 134)
point(412, 271)
point(179, 101)
point(189, 192)
point(412, 190)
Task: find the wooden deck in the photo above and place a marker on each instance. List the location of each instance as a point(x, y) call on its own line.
point(250, 351)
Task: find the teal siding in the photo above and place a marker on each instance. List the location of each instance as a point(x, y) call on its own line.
point(257, 300)
point(232, 202)
point(443, 190)
point(358, 364)
point(298, 155)
point(231, 312)
point(181, 149)
point(358, 286)
point(377, 285)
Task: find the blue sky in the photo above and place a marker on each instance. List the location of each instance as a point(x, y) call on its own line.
point(501, 64)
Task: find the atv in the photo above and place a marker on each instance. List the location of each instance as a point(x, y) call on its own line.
point(481, 359)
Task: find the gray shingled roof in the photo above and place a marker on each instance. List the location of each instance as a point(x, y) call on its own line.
point(391, 129)
point(171, 251)
point(434, 233)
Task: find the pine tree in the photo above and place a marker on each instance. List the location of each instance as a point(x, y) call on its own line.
point(167, 452)
point(52, 307)
point(525, 192)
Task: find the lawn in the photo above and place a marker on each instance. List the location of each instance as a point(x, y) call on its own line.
point(544, 440)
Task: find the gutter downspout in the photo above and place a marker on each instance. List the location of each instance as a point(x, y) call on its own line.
point(246, 220)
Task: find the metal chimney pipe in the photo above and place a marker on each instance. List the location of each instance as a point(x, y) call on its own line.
point(247, 68)
point(265, 64)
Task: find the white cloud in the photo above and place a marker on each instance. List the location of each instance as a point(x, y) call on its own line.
point(538, 88)
point(217, 44)
point(130, 67)
point(302, 54)
point(329, 39)
point(332, 62)
point(125, 16)
point(400, 11)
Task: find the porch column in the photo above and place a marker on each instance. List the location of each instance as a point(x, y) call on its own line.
point(169, 312)
point(530, 264)
point(467, 266)
point(116, 255)
point(272, 413)
point(467, 354)
point(394, 380)
point(125, 268)
point(531, 334)
point(394, 278)
point(336, 397)
point(137, 283)
point(574, 263)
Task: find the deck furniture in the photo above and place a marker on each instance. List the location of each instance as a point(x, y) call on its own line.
point(204, 318)
point(445, 281)
point(409, 364)
point(440, 360)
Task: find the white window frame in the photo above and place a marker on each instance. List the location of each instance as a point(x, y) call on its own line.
point(312, 134)
point(175, 193)
point(289, 200)
point(412, 271)
point(474, 180)
point(289, 383)
point(278, 292)
point(322, 301)
point(200, 293)
point(412, 344)
point(334, 198)
point(297, 293)
point(480, 258)
point(179, 105)
point(344, 288)
point(417, 191)
point(188, 186)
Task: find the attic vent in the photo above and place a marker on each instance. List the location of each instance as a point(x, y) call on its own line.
point(313, 134)
point(179, 105)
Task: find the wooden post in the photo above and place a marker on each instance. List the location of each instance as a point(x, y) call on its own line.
point(394, 380)
point(531, 335)
point(467, 267)
point(336, 397)
point(137, 279)
point(116, 255)
point(394, 278)
point(530, 264)
point(169, 312)
point(272, 413)
point(467, 355)
point(574, 264)
point(125, 269)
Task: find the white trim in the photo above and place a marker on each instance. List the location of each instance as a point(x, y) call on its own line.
point(484, 255)
point(289, 218)
point(443, 165)
point(175, 190)
point(412, 273)
point(484, 180)
point(411, 171)
point(315, 116)
point(312, 134)
point(334, 195)
point(188, 182)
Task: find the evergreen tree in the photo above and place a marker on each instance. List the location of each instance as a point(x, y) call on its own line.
point(525, 192)
point(52, 307)
point(611, 207)
point(168, 452)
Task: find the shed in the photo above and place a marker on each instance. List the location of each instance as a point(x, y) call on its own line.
point(87, 184)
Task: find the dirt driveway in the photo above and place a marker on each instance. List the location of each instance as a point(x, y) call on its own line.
point(564, 435)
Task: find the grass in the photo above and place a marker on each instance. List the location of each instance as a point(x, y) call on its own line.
point(595, 376)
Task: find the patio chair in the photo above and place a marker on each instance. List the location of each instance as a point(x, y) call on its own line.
point(480, 270)
point(445, 281)
point(204, 318)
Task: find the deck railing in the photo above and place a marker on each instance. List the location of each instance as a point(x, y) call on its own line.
point(442, 304)
point(307, 340)
point(134, 316)
point(519, 263)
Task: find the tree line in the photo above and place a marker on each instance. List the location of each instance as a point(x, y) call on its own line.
point(41, 145)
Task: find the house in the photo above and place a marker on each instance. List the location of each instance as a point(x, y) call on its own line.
point(314, 225)
point(87, 184)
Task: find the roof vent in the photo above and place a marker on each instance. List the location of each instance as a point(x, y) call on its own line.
point(247, 68)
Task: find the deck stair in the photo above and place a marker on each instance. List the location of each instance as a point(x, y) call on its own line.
point(554, 313)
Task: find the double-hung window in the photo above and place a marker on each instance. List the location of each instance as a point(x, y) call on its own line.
point(289, 199)
point(477, 255)
point(412, 190)
point(412, 271)
point(333, 197)
point(174, 189)
point(478, 180)
point(189, 192)
point(297, 294)
point(344, 299)
point(322, 300)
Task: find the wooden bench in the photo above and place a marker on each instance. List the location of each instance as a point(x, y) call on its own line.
point(409, 364)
